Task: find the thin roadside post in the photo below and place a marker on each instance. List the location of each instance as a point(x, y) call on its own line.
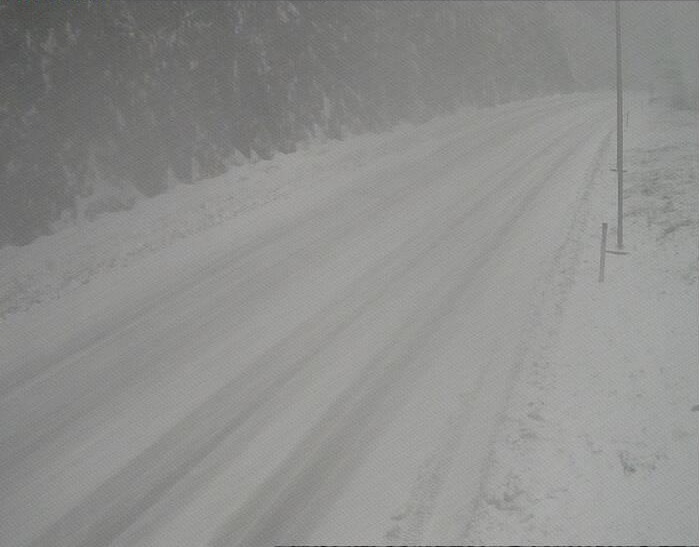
point(602, 252)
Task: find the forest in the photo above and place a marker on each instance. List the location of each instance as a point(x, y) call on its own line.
point(144, 95)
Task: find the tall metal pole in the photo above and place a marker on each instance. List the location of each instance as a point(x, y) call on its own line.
point(619, 133)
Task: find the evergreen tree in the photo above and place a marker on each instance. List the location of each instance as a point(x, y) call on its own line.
point(139, 94)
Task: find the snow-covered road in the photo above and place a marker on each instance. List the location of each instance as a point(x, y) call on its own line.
point(333, 373)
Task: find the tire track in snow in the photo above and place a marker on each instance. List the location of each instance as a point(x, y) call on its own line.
point(35, 427)
point(564, 264)
point(277, 404)
point(435, 470)
point(133, 320)
point(187, 444)
point(290, 502)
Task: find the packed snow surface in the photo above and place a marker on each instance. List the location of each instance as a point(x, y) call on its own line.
point(315, 349)
point(600, 443)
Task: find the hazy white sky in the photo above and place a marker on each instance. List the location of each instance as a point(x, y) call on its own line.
point(654, 34)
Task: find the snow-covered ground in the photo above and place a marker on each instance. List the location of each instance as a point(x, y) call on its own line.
point(81, 251)
point(321, 348)
point(600, 444)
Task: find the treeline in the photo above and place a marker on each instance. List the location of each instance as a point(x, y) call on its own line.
point(147, 93)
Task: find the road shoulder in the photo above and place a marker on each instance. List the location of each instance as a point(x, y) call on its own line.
point(599, 443)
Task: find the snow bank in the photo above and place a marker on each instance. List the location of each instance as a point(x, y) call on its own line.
point(600, 444)
point(61, 262)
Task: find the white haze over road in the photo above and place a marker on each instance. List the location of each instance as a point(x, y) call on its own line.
point(327, 368)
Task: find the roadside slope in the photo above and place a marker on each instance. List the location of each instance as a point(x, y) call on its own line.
point(599, 445)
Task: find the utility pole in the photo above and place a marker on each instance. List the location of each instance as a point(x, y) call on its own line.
point(619, 133)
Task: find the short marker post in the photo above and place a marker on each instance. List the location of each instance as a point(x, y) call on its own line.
point(602, 252)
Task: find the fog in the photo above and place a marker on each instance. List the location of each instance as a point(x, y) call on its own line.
point(302, 272)
point(655, 35)
point(109, 102)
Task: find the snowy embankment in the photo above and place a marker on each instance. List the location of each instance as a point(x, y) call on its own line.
point(600, 444)
point(76, 254)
